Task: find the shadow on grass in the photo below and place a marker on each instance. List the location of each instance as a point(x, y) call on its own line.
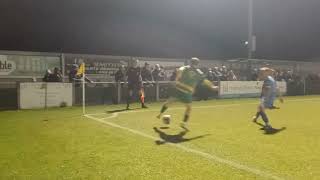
point(270, 131)
point(120, 110)
point(177, 138)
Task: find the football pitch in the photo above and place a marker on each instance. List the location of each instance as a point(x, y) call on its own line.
point(112, 143)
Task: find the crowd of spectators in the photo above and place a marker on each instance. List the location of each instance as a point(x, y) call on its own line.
point(159, 73)
point(54, 76)
point(148, 73)
point(214, 74)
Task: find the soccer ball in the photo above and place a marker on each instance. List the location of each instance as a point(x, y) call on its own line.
point(166, 119)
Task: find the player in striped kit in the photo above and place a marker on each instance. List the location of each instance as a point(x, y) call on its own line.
point(186, 81)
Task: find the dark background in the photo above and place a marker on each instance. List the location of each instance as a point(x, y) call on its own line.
point(285, 29)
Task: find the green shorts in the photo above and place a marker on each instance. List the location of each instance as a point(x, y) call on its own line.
point(183, 97)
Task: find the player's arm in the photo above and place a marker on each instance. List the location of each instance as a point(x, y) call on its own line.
point(206, 82)
point(179, 74)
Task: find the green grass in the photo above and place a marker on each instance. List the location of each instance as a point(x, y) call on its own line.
point(61, 144)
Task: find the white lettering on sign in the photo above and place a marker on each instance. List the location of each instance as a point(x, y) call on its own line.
point(246, 88)
point(6, 66)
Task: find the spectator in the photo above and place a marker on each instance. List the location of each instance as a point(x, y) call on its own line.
point(174, 75)
point(53, 77)
point(163, 74)
point(119, 76)
point(217, 74)
point(157, 74)
point(210, 75)
point(254, 75)
point(224, 72)
point(56, 76)
point(146, 73)
point(47, 76)
point(231, 76)
point(73, 73)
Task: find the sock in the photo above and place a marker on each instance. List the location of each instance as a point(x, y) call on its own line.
point(265, 118)
point(163, 109)
point(186, 118)
point(142, 99)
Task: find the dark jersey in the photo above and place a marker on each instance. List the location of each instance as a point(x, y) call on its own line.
point(146, 75)
point(134, 75)
point(119, 76)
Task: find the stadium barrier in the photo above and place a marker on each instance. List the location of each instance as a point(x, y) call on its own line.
point(8, 95)
point(43, 95)
point(233, 89)
point(312, 86)
point(100, 93)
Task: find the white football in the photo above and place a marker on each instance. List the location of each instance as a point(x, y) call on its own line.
point(166, 119)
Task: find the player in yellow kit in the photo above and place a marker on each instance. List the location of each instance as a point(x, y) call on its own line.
point(188, 77)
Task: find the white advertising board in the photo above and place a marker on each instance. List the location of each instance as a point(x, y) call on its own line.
point(245, 88)
point(40, 95)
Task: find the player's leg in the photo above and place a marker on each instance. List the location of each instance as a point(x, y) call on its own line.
point(129, 95)
point(142, 98)
point(165, 106)
point(265, 118)
point(260, 106)
point(186, 115)
point(262, 111)
point(256, 117)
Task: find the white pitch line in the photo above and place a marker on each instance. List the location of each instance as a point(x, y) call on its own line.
point(187, 149)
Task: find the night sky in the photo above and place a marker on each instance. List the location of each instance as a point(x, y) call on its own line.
point(212, 29)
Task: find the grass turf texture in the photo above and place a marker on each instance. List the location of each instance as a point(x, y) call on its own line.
point(61, 144)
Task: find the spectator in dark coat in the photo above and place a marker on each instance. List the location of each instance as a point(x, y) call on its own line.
point(73, 73)
point(174, 75)
point(47, 76)
point(210, 75)
point(146, 73)
point(157, 73)
point(56, 76)
point(119, 76)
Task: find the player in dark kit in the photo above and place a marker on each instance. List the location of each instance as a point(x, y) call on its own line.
point(135, 84)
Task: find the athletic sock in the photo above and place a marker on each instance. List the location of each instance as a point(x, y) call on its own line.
point(264, 118)
point(142, 98)
point(163, 109)
point(186, 118)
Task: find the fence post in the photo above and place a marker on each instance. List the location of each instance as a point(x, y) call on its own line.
point(118, 92)
point(45, 95)
point(219, 88)
point(157, 91)
point(18, 95)
point(63, 67)
point(304, 86)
